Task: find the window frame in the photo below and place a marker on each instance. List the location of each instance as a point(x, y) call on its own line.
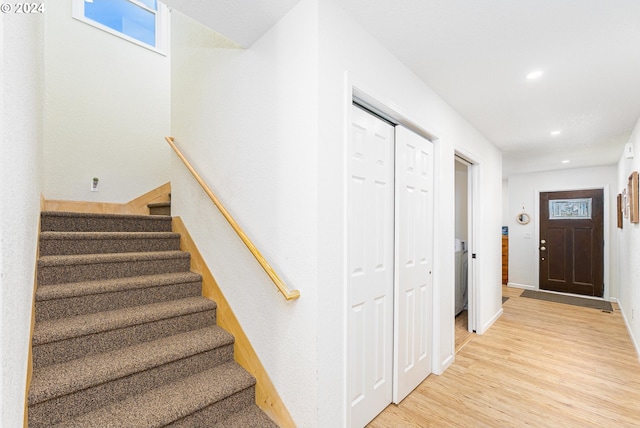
point(162, 19)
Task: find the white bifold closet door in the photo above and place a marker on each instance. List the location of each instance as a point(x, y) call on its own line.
point(371, 243)
point(413, 328)
point(390, 203)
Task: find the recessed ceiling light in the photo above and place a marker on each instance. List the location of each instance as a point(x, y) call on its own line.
point(556, 132)
point(534, 74)
point(566, 161)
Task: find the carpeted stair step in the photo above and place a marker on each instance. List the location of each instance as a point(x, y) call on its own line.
point(65, 339)
point(73, 243)
point(204, 399)
point(63, 391)
point(123, 336)
point(250, 416)
point(54, 221)
point(160, 208)
point(81, 298)
point(92, 267)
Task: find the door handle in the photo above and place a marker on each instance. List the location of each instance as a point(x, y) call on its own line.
point(543, 248)
point(542, 241)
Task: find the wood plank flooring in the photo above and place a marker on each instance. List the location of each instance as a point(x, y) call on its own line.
point(542, 364)
point(463, 336)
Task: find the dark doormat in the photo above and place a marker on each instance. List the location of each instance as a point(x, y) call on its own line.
point(569, 300)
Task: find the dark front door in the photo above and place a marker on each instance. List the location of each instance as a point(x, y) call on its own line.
point(571, 242)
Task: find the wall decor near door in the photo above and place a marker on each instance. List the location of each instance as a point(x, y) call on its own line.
point(571, 242)
point(620, 209)
point(632, 191)
point(523, 218)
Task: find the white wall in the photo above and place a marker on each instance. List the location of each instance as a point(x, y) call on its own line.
point(266, 127)
point(505, 201)
point(351, 57)
point(21, 97)
point(629, 248)
point(107, 111)
point(524, 189)
point(247, 120)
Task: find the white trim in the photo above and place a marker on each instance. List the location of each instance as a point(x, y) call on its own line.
point(143, 6)
point(493, 319)
point(636, 345)
point(522, 286)
point(163, 29)
point(162, 26)
point(474, 234)
point(473, 230)
point(446, 363)
point(440, 362)
point(347, 114)
point(389, 111)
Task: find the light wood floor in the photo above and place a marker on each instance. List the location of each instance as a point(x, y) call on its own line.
point(542, 364)
point(463, 336)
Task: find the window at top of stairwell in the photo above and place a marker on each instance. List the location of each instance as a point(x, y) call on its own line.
point(144, 22)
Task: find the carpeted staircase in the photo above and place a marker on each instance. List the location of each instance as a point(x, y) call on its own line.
point(160, 208)
point(123, 337)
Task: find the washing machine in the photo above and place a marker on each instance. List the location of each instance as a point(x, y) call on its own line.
point(461, 275)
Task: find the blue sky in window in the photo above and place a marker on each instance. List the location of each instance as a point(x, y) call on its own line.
point(124, 17)
point(151, 4)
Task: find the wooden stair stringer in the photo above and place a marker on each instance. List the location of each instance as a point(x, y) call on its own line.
point(134, 206)
point(267, 397)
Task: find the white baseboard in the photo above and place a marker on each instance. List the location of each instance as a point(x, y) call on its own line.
point(636, 345)
point(490, 323)
point(523, 286)
point(446, 364)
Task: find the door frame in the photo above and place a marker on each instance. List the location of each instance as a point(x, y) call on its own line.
point(606, 234)
point(389, 112)
point(473, 174)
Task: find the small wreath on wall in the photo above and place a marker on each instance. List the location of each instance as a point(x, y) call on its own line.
point(523, 218)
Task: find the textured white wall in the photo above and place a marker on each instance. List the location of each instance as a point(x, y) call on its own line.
point(247, 121)
point(266, 127)
point(21, 96)
point(629, 248)
point(107, 111)
point(524, 191)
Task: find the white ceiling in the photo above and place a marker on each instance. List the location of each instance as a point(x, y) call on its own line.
point(243, 21)
point(475, 54)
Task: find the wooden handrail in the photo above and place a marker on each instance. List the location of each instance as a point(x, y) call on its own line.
point(288, 294)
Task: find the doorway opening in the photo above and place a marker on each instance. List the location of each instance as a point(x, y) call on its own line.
point(463, 253)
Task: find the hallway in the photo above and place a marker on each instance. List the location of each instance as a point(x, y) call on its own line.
point(542, 364)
